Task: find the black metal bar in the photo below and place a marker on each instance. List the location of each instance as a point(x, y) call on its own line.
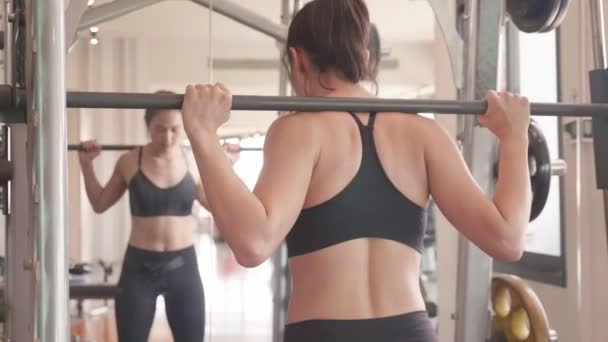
point(105, 147)
point(598, 80)
point(93, 291)
point(310, 104)
point(116, 147)
point(251, 149)
point(316, 104)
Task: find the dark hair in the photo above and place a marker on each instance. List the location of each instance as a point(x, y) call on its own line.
point(151, 113)
point(335, 35)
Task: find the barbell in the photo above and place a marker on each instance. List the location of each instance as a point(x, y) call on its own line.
point(15, 99)
point(538, 151)
point(317, 104)
point(115, 147)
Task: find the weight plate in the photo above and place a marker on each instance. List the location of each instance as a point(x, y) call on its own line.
point(539, 165)
point(533, 15)
point(538, 153)
point(561, 14)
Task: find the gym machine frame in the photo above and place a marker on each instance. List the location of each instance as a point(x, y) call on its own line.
point(37, 276)
point(480, 62)
point(280, 267)
point(44, 191)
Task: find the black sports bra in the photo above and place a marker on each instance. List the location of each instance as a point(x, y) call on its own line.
point(147, 199)
point(370, 206)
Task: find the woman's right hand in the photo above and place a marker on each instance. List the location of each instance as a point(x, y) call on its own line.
point(90, 150)
point(508, 115)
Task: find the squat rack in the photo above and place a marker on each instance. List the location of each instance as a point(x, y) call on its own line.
point(38, 307)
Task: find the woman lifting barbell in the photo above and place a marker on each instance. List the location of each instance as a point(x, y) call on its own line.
point(349, 191)
point(160, 257)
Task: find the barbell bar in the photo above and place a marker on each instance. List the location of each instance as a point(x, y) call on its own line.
point(317, 104)
point(559, 167)
point(10, 99)
point(115, 147)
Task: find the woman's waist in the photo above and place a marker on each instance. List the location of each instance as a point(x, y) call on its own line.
point(161, 234)
point(353, 299)
point(401, 317)
point(163, 222)
point(141, 258)
point(405, 326)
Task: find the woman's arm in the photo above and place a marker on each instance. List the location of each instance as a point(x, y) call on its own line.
point(101, 197)
point(200, 195)
point(232, 152)
point(496, 225)
point(253, 223)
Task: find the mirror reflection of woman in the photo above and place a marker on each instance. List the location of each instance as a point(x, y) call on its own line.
point(160, 259)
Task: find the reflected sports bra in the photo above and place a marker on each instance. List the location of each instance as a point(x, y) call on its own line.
point(148, 200)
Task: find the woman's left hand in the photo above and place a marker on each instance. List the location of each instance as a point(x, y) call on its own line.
point(205, 108)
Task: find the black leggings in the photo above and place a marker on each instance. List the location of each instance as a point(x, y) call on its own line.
point(410, 327)
point(146, 275)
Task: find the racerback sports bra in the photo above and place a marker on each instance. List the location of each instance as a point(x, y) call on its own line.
point(370, 206)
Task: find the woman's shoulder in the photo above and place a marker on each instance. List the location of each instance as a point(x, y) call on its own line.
point(293, 124)
point(127, 162)
point(418, 121)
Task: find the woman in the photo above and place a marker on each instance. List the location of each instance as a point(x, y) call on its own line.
point(160, 257)
point(348, 191)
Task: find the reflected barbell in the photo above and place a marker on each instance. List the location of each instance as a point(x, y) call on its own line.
point(11, 99)
point(117, 147)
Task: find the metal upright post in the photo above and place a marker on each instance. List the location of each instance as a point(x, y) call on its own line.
point(598, 34)
point(48, 120)
point(20, 278)
point(513, 54)
point(481, 37)
point(20, 275)
point(8, 43)
point(279, 261)
point(283, 74)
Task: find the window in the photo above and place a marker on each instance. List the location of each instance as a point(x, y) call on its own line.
point(544, 257)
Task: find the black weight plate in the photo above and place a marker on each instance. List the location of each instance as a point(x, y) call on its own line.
point(540, 176)
point(533, 15)
point(539, 165)
point(561, 14)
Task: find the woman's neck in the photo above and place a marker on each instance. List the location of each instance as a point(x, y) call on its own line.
point(331, 85)
point(163, 152)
